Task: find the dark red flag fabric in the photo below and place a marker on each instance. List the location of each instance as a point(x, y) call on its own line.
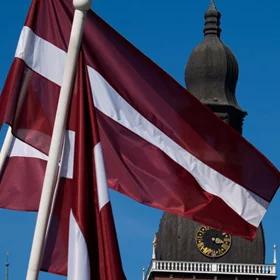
point(162, 147)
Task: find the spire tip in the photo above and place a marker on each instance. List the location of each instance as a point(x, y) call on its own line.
point(212, 5)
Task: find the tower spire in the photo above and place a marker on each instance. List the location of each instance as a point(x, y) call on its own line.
point(212, 20)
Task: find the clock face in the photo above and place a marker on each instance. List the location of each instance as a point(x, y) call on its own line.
point(211, 242)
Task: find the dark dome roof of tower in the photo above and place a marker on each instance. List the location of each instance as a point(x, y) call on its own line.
point(212, 70)
point(176, 241)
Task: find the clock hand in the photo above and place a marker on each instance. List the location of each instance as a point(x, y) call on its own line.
point(219, 241)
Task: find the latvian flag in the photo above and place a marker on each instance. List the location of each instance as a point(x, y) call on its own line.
point(81, 241)
point(161, 146)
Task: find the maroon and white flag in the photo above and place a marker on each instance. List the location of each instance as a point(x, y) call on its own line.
point(81, 241)
point(162, 147)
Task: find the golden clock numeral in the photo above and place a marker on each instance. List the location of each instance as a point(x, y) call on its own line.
point(207, 251)
point(225, 246)
point(221, 251)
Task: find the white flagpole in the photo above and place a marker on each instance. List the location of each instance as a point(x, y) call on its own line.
point(81, 8)
point(6, 147)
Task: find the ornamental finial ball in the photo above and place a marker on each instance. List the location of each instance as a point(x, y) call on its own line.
point(82, 5)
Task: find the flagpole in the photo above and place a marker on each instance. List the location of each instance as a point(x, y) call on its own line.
point(81, 8)
point(6, 147)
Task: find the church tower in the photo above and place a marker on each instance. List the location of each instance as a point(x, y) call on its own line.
point(212, 72)
point(184, 249)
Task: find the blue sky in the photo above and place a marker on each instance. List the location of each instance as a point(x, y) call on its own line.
point(167, 31)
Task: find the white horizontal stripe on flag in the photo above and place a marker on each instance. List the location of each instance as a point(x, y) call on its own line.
point(101, 180)
point(245, 203)
point(21, 149)
point(248, 205)
point(78, 260)
point(41, 56)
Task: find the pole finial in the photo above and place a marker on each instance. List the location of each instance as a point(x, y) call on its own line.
point(83, 5)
